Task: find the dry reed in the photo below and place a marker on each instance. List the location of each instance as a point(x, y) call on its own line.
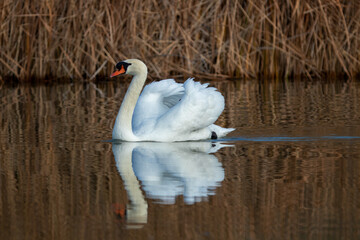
point(250, 39)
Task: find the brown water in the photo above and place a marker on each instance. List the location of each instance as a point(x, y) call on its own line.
point(291, 170)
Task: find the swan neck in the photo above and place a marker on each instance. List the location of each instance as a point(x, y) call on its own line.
point(123, 124)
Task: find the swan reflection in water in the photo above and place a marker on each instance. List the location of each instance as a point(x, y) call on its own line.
point(167, 170)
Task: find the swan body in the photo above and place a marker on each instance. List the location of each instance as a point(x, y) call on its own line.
point(166, 111)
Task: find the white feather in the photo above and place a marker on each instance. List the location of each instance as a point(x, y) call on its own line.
point(168, 111)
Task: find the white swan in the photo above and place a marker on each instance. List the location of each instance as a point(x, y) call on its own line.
point(166, 111)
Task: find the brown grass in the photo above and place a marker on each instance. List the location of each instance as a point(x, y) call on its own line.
point(250, 39)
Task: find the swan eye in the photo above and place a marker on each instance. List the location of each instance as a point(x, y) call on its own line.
point(124, 64)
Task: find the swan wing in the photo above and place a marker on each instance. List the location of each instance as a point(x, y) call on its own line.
point(199, 107)
point(156, 99)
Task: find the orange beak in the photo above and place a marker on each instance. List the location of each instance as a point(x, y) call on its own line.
point(118, 72)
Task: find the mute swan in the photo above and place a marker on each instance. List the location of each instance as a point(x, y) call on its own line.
point(166, 111)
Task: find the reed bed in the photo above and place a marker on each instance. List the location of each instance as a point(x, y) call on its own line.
point(236, 39)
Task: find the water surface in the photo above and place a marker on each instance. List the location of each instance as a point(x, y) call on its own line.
point(291, 170)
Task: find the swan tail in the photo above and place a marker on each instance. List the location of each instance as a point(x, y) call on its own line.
point(220, 132)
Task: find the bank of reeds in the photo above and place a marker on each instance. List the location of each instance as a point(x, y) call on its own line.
point(84, 39)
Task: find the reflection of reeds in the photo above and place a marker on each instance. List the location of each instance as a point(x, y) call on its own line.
point(227, 39)
point(58, 179)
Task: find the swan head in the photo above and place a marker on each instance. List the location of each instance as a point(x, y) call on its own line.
point(131, 67)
